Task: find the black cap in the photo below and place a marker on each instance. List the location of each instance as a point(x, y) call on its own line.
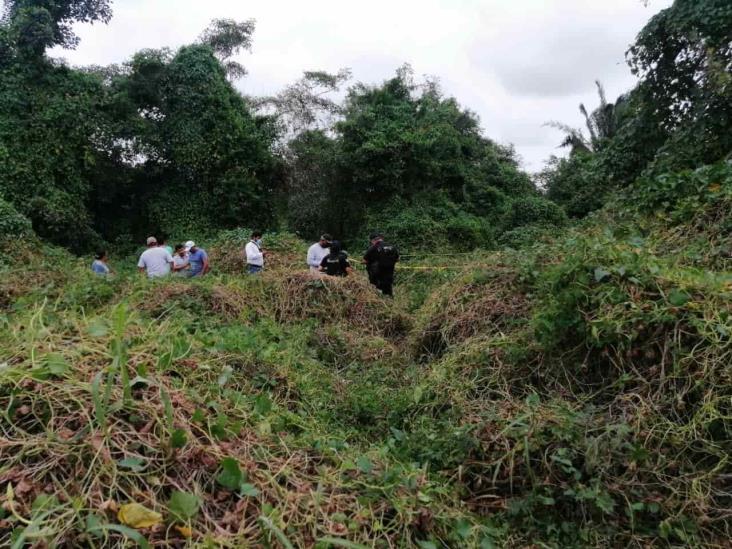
point(374, 236)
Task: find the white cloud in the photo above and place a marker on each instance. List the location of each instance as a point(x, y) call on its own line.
point(516, 63)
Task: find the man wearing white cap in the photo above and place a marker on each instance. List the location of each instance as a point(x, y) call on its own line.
point(197, 258)
point(155, 261)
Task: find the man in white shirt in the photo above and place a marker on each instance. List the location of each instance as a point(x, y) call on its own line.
point(254, 254)
point(155, 261)
point(317, 252)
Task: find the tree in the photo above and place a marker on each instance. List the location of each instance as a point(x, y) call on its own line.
point(227, 38)
point(602, 124)
point(684, 59)
point(307, 105)
point(44, 23)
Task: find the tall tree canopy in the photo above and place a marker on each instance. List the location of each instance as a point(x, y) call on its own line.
point(161, 143)
point(678, 116)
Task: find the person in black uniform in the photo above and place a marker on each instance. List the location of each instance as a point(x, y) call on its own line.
point(380, 260)
point(336, 262)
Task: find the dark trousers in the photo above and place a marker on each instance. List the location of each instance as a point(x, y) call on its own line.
point(384, 281)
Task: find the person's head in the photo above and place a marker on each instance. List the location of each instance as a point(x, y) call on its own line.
point(101, 255)
point(152, 241)
point(376, 237)
point(335, 247)
point(190, 246)
point(180, 249)
point(162, 239)
point(257, 236)
point(325, 240)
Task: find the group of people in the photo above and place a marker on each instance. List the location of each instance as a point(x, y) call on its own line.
point(325, 257)
point(328, 257)
point(160, 260)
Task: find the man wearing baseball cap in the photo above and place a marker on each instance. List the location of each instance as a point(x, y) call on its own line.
point(155, 261)
point(197, 258)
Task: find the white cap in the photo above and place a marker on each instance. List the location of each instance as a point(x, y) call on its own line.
point(190, 244)
point(151, 240)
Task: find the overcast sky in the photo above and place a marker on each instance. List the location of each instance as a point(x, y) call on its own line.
point(517, 63)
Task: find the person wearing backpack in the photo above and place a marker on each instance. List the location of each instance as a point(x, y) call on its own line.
point(380, 259)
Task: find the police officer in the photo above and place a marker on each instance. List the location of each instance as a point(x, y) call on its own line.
point(380, 260)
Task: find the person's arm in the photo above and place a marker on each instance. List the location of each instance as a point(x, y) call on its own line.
point(321, 267)
point(141, 265)
point(312, 260)
point(206, 267)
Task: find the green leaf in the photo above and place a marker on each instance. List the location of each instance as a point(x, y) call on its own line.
point(132, 463)
point(44, 502)
point(231, 476)
point(126, 531)
point(427, 544)
point(605, 503)
point(267, 523)
point(338, 542)
point(93, 524)
point(183, 505)
point(418, 393)
point(364, 464)
point(601, 274)
point(178, 439)
point(263, 404)
point(463, 529)
point(199, 416)
point(248, 490)
point(678, 298)
point(56, 364)
point(546, 500)
point(98, 328)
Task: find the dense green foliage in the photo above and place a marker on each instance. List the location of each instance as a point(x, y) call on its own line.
point(161, 144)
point(404, 158)
point(573, 391)
point(13, 224)
point(678, 117)
point(165, 144)
point(571, 394)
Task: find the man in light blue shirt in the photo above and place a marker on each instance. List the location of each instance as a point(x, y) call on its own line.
point(198, 259)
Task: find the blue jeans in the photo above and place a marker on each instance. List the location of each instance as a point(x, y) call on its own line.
point(254, 269)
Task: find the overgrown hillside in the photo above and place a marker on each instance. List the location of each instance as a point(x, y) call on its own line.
point(536, 382)
point(575, 393)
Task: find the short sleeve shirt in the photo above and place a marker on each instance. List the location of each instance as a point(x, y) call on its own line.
point(100, 268)
point(156, 262)
point(196, 260)
point(335, 265)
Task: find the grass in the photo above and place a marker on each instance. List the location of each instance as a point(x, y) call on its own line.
point(574, 393)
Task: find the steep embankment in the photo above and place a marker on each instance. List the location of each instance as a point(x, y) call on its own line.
point(574, 393)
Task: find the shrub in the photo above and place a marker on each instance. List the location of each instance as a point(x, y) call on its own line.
point(524, 235)
point(12, 223)
point(430, 221)
point(574, 184)
point(533, 210)
point(685, 193)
